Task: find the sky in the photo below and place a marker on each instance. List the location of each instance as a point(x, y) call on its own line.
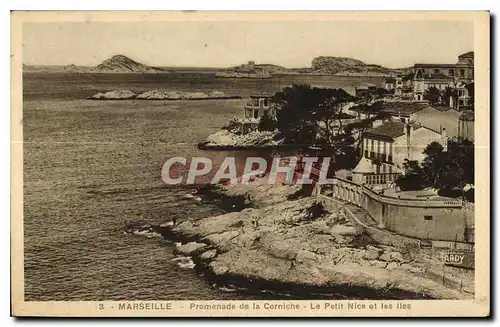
point(222, 44)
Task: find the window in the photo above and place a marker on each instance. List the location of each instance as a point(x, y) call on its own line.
point(427, 217)
point(451, 72)
point(462, 72)
point(366, 153)
point(436, 71)
point(372, 154)
point(389, 159)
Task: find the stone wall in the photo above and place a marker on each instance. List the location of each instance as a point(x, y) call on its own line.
point(441, 220)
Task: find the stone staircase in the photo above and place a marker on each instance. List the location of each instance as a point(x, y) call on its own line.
point(361, 214)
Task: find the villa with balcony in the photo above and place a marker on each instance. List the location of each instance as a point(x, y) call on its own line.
point(258, 106)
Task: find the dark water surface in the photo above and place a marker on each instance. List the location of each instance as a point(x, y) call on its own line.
point(93, 167)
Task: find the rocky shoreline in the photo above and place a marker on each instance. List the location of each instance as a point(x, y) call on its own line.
point(161, 95)
point(282, 241)
point(227, 140)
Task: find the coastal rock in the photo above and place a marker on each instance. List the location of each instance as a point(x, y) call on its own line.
point(378, 263)
point(304, 255)
point(417, 270)
point(392, 265)
point(208, 255)
point(385, 257)
point(343, 230)
point(370, 247)
point(248, 239)
point(190, 248)
point(397, 256)
point(218, 268)
point(283, 250)
point(181, 95)
point(114, 95)
point(225, 138)
point(371, 254)
point(221, 239)
point(405, 266)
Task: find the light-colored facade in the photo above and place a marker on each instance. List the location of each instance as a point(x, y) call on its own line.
point(388, 146)
point(257, 107)
point(442, 76)
point(424, 81)
point(464, 70)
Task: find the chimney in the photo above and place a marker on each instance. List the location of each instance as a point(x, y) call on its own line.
point(444, 139)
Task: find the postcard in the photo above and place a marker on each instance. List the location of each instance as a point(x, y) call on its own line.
point(250, 164)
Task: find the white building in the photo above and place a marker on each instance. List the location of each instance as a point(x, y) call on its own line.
point(388, 146)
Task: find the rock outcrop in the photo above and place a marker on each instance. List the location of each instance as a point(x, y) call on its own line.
point(123, 64)
point(323, 65)
point(277, 243)
point(180, 95)
point(347, 66)
point(225, 139)
point(161, 95)
point(114, 95)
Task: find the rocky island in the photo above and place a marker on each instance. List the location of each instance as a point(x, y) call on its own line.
point(285, 242)
point(161, 95)
point(323, 65)
point(227, 140)
point(118, 64)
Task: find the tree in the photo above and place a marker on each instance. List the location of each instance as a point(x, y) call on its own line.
point(450, 169)
point(448, 94)
point(314, 117)
point(462, 152)
point(433, 95)
point(470, 91)
point(372, 112)
point(309, 115)
point(412, 178)
point(267, 123)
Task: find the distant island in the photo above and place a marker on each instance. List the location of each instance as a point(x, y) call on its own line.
point(162, 95)
point(118, 64)
point(337, 66)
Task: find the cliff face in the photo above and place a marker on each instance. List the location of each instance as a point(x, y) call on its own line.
point(123, 64)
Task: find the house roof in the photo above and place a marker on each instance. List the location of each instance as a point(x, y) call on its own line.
point(467, 54)
point(403, 108)
point(364, 166)
point(426, 127)
point(389, 130)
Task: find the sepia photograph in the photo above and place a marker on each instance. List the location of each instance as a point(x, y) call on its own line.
point(250, 163)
